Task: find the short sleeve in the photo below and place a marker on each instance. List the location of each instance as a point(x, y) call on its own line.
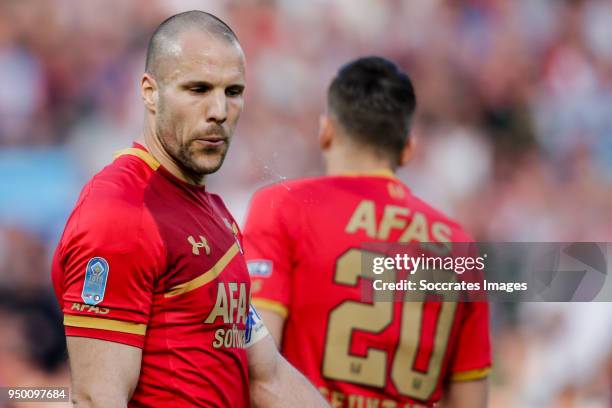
point(105, 270)
point(269, 251)
point(472, 357)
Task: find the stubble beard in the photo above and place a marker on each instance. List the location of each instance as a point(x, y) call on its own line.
point(184, 154)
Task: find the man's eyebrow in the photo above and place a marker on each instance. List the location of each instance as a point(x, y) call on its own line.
point(197, 84)
point(204, 84)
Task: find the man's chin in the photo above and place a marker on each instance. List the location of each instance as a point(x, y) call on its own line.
point(208, 170)
point(207, 166)
point(203, 162)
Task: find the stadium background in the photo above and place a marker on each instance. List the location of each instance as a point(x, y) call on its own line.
point(514, 130)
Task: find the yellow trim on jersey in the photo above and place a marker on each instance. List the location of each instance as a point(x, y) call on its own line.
point(272, 306)
point(386, 173)
point(471, 375)
point(207, 276)
point(89, 322)
point(145, 156)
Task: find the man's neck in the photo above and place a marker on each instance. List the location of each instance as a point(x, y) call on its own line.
point(355, 162)
point(155, 148)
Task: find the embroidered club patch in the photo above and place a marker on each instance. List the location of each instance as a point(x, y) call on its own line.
point(96, 274)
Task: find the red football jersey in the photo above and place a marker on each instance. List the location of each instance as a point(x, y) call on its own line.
point(302, 241)
point(153, 262)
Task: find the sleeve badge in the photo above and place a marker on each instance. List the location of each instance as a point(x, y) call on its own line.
point(96, 275)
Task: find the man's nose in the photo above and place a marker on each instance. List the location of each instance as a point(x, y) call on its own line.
point(217, 107)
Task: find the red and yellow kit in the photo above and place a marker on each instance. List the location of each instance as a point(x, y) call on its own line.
point(303, 241)
point(153, 262)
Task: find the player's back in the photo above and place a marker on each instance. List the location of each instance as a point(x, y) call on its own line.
point(304, 240)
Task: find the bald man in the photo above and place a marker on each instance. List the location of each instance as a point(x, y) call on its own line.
point(149, 271)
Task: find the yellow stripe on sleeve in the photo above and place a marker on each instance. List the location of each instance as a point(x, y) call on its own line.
point(89, 322)
point(272, 306)
point(471, 375)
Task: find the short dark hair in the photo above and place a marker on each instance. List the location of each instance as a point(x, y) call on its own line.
point(374, 102)
point(169, 29)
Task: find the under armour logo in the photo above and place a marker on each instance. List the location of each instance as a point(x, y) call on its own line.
point(195, 245)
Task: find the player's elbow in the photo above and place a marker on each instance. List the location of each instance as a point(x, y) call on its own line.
point(90, 397)
point(82, 399)
point(265, 393)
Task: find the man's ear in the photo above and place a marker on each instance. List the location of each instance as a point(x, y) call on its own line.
point(149, 91)
point(408, 150)
point(326, 132)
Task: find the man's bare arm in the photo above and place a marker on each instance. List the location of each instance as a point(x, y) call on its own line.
point(275, 383)
point(104, 374)
point(466, 394)
point(274, 323)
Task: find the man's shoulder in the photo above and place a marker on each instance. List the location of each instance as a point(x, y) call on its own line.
point(110, 210)
point(117, 191)
point(123, 180)
point(309, 188)
point(312, 191)
point(300, 188)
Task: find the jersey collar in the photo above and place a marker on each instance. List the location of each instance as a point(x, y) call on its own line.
point(384, 173)
point(141, 152)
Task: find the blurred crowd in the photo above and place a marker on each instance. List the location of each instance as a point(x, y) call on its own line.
point(514, 123)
